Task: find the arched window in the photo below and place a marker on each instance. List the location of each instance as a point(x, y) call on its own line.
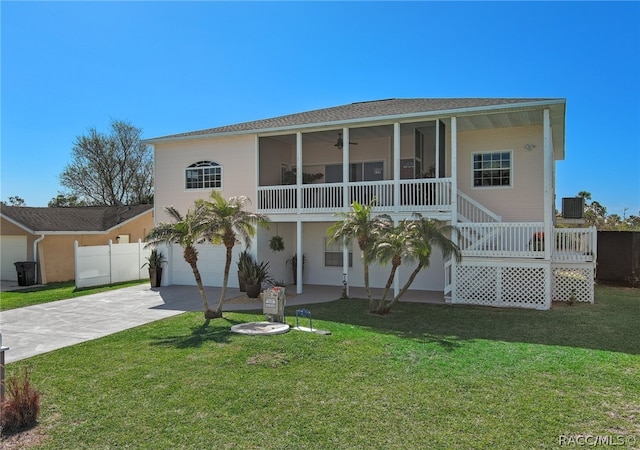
point(203, 175)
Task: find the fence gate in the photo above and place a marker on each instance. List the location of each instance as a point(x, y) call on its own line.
point(98, 265)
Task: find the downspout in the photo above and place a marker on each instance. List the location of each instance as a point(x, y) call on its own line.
point(35, 257)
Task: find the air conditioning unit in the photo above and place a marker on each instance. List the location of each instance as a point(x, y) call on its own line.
point(573, 208)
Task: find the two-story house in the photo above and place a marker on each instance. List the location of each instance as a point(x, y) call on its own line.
point(484, 165)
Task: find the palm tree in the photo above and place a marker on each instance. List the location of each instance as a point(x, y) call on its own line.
point(358, 224)
point(228, 223)
point(185, 231)
point(390, 247)
point(420, 235)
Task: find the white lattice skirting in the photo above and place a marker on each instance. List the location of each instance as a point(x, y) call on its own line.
point(522, 285)
point(573, 282)
point(503, 284)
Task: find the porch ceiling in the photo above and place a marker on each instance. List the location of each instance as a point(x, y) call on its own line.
point(504, 119)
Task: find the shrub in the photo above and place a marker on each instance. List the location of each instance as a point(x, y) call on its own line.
point(21, 407)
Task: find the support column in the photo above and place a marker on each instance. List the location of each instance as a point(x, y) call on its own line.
point(454, 173)
point(346, 200)
point(300, 256)
point(454, 201)
point(345, 264)
point(438, 174)
point(547, 156)
point(299, 172)
point(396, 279)
point(396, 167)
point(547, 177)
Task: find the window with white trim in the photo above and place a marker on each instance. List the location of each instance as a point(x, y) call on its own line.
point(491, 169)
point(203, 175)
point(333, 253)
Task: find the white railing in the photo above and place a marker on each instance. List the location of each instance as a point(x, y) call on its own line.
point(469, 210)
point(526, 240)
point(277, 198)
point(322, 197)
point(575, 244)
point(502, 239)
point(415, 195)
point(425, 194)
point(364, 192)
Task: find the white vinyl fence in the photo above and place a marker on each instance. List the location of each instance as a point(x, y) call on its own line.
point(107, 264)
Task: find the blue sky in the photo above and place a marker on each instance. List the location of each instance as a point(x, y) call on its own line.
point(171, 67)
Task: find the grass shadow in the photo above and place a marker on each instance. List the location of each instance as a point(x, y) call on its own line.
point(218, 331)
point(611, 324)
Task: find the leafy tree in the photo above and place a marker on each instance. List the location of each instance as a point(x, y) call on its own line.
point(185, 231)
point(595, 214)
point(110, 169)
point(14, 200)
point(358, 224)
point(413, 239)
point(228, 223)
point(586, 195)
point(633, 222)
point(65, 201)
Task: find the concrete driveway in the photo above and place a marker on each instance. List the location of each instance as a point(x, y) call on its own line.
point(41, 328)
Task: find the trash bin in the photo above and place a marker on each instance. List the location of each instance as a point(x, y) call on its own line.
point(26, 272)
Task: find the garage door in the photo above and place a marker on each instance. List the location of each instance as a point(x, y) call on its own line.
point(12, 249)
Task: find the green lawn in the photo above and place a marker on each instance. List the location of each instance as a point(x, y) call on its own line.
point(426, 376)
point(51, 292)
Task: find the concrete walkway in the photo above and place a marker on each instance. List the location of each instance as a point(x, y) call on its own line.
point(33, 330)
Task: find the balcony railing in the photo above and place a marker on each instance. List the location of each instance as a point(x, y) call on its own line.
point(526, 240)
point(575, 244)
point(502, 239)
point(413, 195)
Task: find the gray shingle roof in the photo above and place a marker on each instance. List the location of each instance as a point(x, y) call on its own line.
point(361, 110)
point(87, 219)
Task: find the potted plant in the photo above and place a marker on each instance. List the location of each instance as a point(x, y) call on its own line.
point(255, 275)
point(293, 262)
point(276, 243)
point(154, 262)
point(245, 261)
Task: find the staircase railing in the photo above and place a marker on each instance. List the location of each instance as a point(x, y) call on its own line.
point(470, 210)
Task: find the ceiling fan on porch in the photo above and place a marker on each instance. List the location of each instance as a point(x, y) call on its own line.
point(340, 143)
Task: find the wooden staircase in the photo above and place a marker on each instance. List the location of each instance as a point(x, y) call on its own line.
point(469, 211)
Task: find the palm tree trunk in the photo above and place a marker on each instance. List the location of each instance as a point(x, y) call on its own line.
point(392, 275)
point(203, 294)
point(366, 283)
point(225, 279)
point(406, 286)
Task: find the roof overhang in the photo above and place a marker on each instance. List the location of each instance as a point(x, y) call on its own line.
point(73, 232)
point(555, 104)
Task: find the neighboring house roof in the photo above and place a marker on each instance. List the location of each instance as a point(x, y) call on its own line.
point(388, 109)
point(88, 219)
